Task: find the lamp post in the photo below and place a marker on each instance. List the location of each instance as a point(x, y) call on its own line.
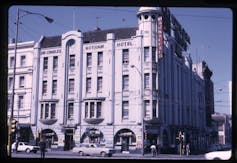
point(142, 107)
point(50, 20)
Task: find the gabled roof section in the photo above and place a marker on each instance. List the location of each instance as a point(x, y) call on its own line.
point(92, 36)
point(100, 35)
point(52, 41)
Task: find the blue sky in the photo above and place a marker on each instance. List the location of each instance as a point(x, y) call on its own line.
point(210, 30)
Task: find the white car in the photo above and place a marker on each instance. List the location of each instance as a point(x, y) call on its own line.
point(93, 149)
point(218, 155)
point(25, 147)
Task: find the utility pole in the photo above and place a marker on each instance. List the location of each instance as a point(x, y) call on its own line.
point(11, 119)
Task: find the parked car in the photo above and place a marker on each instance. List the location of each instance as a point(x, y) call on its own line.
point(218, 155)
point(25, 147)
point(93, 149)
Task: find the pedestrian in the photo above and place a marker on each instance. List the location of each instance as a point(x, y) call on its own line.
point(153, 150)
point(17, 144)
point(42, 148)
point(187, 149)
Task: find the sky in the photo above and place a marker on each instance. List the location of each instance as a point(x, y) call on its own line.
point(210, 30)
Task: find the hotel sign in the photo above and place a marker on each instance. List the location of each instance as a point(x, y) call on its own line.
point(124, 44)
point(51, 51)
point(94, 47)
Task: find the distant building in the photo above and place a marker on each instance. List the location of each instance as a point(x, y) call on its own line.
point(118, 86)
point(23, 86)
point(224, 127)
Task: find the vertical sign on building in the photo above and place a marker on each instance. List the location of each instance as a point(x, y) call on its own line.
point(160, 37)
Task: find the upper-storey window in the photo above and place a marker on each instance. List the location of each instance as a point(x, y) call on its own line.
point(153, 53)
point(21, 82)
point(55, 63)
point(10, 82)
point(125, 111)
point(54, 87)
point(70, 110)
point(45, 64)
point(44, 88)
point(125, 56)
point(72, 60)
point(12, 61)
point(71, 86)
point(88, 84)
point(100, 58)
point(89, 59)
point(125, 82)
point(146, 80)
point(20, 101)
point(23, 60)
point(53, 111)
point(146, 54)
point(99, 84)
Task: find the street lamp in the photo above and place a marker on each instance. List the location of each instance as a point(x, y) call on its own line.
point(142, 111)
point(50, 20)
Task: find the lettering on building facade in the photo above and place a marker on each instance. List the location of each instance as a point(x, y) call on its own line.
point(124, 44)
point(51, 51)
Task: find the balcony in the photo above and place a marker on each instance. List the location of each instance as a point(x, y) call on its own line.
point(93, 120)
point(48, 121)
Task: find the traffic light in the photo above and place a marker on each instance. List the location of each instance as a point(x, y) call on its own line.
point(13, 125)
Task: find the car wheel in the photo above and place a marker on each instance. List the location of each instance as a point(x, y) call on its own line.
point(27, 150)
point(35, 151)
point(81, 153)
point(216, 158)
point(103, 154)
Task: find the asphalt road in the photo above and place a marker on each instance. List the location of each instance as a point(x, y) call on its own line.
point(70, 155)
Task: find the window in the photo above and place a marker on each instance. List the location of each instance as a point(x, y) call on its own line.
point(45, 64)
point(92, 109)
point(154, 109)
point(42, 111)
point(153, 81)
point(98, 111)
point(44, 87)
point(146, 54)
point(21, 81)
point(10, 82)
point(12, 61)
point(89, 59)
point(146, 109)
point(46, 111)
point(125, 112)
point(99, 84)
point(54, 87)
point(125, 56)
point(88, 84)
point(86, 110)
point(55, 63)
point(70, 111)
point(72, 61)
point(23, 60)
point(52, 115)
point(100, 58)
point(20, 101)
point(153, 54)
point(71, 86)
point(146, 81)
point(125, 82)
